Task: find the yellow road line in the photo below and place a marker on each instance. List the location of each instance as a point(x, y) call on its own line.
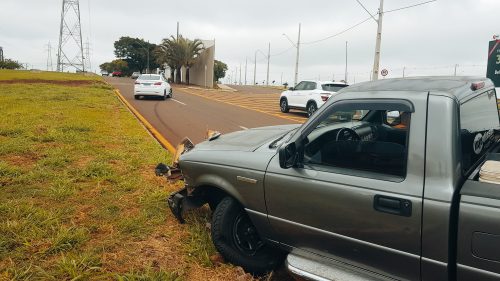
point(165, 143)
point(227, 100)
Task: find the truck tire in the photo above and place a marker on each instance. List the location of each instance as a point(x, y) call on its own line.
point(237, 240)
point(284, 105)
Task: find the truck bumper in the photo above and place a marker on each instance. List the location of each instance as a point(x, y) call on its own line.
point(180, 201)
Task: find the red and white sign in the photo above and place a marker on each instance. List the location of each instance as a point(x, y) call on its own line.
point(384, 72)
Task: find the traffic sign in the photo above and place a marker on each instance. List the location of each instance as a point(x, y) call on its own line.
point(493, 71)
point(384, 72)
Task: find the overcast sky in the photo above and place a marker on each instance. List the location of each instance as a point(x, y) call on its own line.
point(428, 39)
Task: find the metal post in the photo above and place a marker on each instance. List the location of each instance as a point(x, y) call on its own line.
point(268, 58)
point(255, 68)
point(456, 65)
point(246, 64)
point(240, 73)
point(376, 61)
point(206, 76)
point(297, 60)
point(177, 31)
point(345, 75)
point(404, 68)
point(148, 55)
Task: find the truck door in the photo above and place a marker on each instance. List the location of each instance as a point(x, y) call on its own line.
point(356, 195)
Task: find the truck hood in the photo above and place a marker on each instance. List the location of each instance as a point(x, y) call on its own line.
point(246, 140)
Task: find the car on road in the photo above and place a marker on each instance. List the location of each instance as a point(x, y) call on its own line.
point(104, 73)
point(135, 75)
point(395, 179)
point(117, 74)
point(152, 85)
point(308, 95)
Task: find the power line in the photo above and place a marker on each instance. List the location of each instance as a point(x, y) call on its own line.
point(411, 6)
point(338, 33)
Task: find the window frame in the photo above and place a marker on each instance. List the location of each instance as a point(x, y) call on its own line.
point(371, 104)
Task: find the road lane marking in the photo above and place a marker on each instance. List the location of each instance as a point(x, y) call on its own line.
point(161, 139)
point(263, 106)
point(179, 102)
point(244, 128)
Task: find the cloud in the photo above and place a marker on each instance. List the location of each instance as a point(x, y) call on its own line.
point(442, 33)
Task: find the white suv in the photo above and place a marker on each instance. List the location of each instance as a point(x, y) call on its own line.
point(308, 95)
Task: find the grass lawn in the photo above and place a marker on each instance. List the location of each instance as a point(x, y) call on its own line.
point(78, 195)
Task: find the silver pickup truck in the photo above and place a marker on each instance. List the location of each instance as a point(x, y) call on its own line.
point(381, 183)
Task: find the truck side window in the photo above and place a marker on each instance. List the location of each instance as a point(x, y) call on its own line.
point(361, 142)
point(478, 121)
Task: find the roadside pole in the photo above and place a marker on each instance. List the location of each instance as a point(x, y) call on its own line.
point(376, 62)
point(297, 60)
point(246, 63)
point(255, 68)
point(268, 58)
point(345, 74)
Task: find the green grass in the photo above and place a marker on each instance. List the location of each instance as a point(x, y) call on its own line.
point(79, 199)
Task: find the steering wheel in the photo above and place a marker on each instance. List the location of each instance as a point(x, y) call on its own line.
point(345, 134)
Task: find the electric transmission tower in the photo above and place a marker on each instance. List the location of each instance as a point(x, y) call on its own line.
point(87, 50)
point(70, 50)
point(49, 57)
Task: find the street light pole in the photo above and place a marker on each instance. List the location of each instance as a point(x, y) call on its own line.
point(297, 60)
point(345, 75)
point(268, 57)
point(376, 62)
point(255, 68)
point(246, 64)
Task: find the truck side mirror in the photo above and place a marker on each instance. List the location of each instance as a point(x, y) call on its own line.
point(291, 89)
point(288, 155)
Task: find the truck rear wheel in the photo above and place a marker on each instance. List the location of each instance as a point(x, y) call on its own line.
point(236, 238)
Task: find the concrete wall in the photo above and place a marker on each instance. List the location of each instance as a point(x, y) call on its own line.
point(197, 71)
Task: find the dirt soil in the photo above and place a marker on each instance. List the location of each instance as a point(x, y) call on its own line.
point(74, 83)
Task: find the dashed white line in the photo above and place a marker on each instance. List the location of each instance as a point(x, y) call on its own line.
point(179, 102)
point(244, 128)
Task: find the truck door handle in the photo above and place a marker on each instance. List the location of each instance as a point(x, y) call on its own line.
point(392, 205)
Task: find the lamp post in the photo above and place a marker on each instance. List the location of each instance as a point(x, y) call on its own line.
point(297, 46)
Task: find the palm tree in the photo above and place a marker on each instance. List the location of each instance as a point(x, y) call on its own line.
point(171, 53)
point(178, 52)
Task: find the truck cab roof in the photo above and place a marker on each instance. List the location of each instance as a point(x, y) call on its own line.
point(457, 87)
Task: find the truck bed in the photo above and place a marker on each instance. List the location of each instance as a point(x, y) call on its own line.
point(478, 240)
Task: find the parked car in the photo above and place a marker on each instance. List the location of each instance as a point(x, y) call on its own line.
point(389, 180)
point(308, 95)
point(152, 85)
point(117, 74)
point(104, 73)
point(135, 75)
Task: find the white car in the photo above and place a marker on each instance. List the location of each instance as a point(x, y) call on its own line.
point(309, 95)
point(152, 85)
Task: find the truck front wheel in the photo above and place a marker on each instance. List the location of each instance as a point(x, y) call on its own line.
point(236, 238)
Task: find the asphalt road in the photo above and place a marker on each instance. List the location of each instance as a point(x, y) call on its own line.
point(192, 111)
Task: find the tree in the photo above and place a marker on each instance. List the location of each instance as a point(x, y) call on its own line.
point(10, 64)
point(115, 65)
point(135, 52)
point(178, 52)
point(170, 52)
point(220, 69)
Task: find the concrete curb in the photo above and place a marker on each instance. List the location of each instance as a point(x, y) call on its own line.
point(166, 144)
